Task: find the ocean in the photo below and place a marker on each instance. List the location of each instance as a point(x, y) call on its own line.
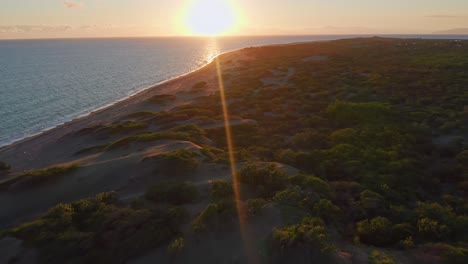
point(45, 83)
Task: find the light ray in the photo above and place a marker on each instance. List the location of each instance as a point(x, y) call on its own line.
point(241, 212)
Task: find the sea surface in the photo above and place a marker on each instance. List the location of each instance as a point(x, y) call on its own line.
point(45, 83)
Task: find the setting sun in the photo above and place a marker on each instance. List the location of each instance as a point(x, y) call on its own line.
point(209, 17)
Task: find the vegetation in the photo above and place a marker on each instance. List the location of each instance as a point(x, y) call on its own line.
point(221, 189)
point(97, 229)
point(176, 193)
point(377, 257)
point(310, 235)
point(179, 162)
point(176, 247)
point(214, 217)
point(4, 167)
point(199, 85)
point(36, 177)
point(266, 178)
point(162, 98)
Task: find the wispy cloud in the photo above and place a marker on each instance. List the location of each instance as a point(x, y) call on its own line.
point(72, 4)
point(33, 28)
point(447, 16)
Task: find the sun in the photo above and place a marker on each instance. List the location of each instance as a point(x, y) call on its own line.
point(210, 17)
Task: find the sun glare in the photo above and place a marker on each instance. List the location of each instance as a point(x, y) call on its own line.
point(210, 17)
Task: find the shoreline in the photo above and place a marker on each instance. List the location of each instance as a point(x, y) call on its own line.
point(132, 96)
point(129, 97)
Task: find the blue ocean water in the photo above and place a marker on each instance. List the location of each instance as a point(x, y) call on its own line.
point(44, 83)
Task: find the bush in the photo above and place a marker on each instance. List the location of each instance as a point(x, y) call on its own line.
point(432, 230)
point(97, 230)
point(172, 192)
point(326, 210)
point(176, 247)
point(254, 206)
point(455, 255)
point(221, 189)
point(199, 85)
point(313, 183)
point(310, 234)
point(293, 196)
point(407, 243)
point(194, 131)
point(36, 177)
point(378, 231)
point(268, 176)
point(377, 257)
point(179, 162)
point(162, 98)
point(4, 167)
point(214, 216)
point(147, 137)
point(369, 113)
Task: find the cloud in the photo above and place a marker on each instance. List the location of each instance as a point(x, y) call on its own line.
point(455, 31)
point(72, 4)
point(33, 28)
point(446, 16)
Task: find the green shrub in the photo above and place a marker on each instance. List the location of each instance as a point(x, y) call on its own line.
point(455, 255)
point(311, 182)
point(326, 210)
point(194, 131)
point(214, 216)
point(407, 243)
point(36, 177)
point(97, 148)
point(179, 162)
point(378, 231)
point(176, 247)
point(97, 229)
point(147, 137)
point(310, 234)
point(293, 196)
point(126, 127)
point(176, 193)
point(268, 176)
point(199, 85)
point(377, 257)
point(431, 229)
point(254, 206)
point(371, 200)
point(4, 166)
point(369, 113)
point(162, 98)
point(221, 189)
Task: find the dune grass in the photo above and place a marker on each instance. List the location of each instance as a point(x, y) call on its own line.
point(4, 167)
point(162, 98)
point(36, 177)
point(97, 148)
point(124, 127)
point(147, 137)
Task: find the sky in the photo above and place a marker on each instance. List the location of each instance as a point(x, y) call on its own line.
point(127, 18)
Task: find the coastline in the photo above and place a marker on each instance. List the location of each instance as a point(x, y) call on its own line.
point(133, 96)
point(136, 94)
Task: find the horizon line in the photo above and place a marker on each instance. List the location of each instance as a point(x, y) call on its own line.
point(229, 36)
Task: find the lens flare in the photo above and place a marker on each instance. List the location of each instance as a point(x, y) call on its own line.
point(249, 246)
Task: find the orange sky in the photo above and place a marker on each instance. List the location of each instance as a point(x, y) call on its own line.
point(122, 18)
